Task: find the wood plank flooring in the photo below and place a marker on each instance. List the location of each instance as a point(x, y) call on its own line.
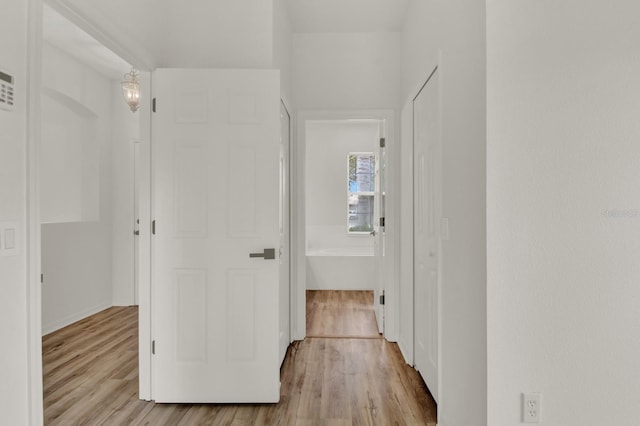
point(332, 313)
point(91, 378)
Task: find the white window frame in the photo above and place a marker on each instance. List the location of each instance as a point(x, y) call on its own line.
point(365, 193)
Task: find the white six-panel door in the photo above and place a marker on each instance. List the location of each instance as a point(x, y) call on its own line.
point(427, 212)
point(216, 160)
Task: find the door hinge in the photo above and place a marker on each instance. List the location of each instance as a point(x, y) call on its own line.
point(41, 278)
point(382, 221)
point(382, 142)
point(153, 105)
point(382, 298)
point(153, 347)
point(153, 227)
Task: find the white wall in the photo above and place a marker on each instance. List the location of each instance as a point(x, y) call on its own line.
point(76, 256)
point(346, 71)
point(69, 146)
point(222, 34)
point(69, 151)
point(563, 210)
point(283, 48)
point(206, 34)
point(341, 272)
point(452, 35)
point(328, 144)
point(13, 301)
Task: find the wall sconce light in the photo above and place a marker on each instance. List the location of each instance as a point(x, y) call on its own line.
point(131, 89)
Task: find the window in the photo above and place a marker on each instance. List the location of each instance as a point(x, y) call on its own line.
point(362, 166)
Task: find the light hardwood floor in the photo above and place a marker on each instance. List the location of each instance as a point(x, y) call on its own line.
point(332, 313)
point(91, 378)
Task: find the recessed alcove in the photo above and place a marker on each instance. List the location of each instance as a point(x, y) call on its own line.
point(69, 173)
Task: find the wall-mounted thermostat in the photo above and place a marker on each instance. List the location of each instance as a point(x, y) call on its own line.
point(7, 100)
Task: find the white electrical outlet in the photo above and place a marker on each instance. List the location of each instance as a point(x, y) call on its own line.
point(531, 408)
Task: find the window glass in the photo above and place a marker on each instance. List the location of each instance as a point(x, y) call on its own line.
point(361, 192)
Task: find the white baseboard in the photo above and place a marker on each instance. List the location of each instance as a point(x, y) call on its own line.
point(405, 353)
point(70, 319)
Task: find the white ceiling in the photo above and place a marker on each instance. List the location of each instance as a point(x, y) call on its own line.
point(59, 32)
point(346, 16)
point(201, 30)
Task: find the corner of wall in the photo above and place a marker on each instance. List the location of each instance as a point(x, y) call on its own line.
point(15, 327)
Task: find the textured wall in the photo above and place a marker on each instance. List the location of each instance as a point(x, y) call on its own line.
point(563, 218)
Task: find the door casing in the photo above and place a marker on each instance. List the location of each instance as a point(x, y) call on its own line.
point(298, 225)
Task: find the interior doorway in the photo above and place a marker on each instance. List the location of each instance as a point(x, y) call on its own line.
point(87, 165)
point(93, 179)
point(342, 198)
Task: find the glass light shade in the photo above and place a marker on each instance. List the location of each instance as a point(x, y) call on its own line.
point(131, 90)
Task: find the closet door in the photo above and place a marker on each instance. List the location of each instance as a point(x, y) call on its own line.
point(427, 213)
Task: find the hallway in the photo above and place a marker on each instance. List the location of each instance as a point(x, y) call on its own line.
point(344, 313)
point(91, 377)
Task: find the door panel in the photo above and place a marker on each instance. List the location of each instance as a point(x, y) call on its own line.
point(191, 314)
point(216, 154)
point(427, 212)
point(191, 189)
point(241, 301)
point(242, 213)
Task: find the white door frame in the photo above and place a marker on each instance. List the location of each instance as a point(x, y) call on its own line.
point(285, 104)
point(136, 178)
point(144, 241)
point(298, 224)
point(292, 208)
point(34, 290)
